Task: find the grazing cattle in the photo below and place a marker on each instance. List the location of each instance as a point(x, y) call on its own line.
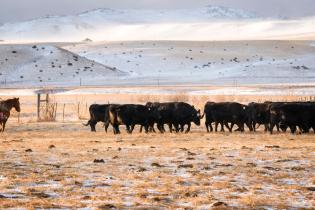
point(293, 115)
point(98, 114)
point(224, 113)
point(258, 113)
point(131, 115)
point(5, 108)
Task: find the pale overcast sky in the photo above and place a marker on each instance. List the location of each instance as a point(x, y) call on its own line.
point(19, 10)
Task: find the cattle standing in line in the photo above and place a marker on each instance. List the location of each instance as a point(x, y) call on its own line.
point(177, 114)
point(258, 113)
point(293, 115)
point(210, 119)
point(166, 111)
point(185, 114)
point(224, 113)
point(131, 115)
point(5, 108)
point(98, 114)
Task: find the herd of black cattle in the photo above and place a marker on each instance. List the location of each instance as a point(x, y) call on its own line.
point(297, 116)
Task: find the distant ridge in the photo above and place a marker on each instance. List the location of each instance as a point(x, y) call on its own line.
point(209, 23)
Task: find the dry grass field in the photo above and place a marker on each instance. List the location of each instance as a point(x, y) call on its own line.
point(64, 166)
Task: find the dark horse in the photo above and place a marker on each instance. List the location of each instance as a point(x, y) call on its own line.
point(5, 108)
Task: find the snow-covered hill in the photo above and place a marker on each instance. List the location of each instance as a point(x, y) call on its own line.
point(209, 23)
point(47, 65)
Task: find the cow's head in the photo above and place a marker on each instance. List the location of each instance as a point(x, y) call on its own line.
point(154, 113)
point(196, 116)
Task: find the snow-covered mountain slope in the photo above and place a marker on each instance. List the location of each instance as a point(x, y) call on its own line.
point(217, 63)
point(47, 65)
point(209, 23)
point(155, 63)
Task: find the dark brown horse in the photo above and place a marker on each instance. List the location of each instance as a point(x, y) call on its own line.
point(5, 108)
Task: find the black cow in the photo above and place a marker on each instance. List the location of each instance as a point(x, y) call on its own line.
point(131, 115)
point(224, 113)
point(185, 114)
point(166, 112)
point(258, 113)
point(209, 118)
point(293, 115)
point(98, 114)
point(177, 114)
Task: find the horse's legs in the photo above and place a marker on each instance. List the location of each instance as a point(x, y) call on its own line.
point(3, 126)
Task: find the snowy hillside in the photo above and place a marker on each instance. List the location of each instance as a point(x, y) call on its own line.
point(209, 23)
point(46, 65)
point(154, 63)
point(219, 63)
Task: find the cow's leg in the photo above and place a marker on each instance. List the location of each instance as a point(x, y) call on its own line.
point(128, 129)
point(92, 125)
point(146, 128)
point(250, 125)
point(160, 127)
point(278, 128)
point(293, 129)
point(266, 127)
point(132, 127)
point(216, 126)
point(188, 128)
point(176, 126)
point(222, 126)
point(211, 128)
point(226, 125)
point(207, 126)
point(241, 127)
point(231, 128)
point(170, 125)
point(182, 127)
point(116, 129)
point(106, 125)
point(141, 127)
point(272, 125)
point(254, 126)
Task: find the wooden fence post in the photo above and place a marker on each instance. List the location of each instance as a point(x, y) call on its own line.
point(38, 106)
point(63, 112)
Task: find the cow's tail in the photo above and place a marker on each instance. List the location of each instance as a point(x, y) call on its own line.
point(87, 124)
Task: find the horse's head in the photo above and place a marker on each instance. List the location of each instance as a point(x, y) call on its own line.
point(16, 104)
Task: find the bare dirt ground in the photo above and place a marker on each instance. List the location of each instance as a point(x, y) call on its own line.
point(63, 165)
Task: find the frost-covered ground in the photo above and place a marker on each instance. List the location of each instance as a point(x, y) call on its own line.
point(54, 166)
